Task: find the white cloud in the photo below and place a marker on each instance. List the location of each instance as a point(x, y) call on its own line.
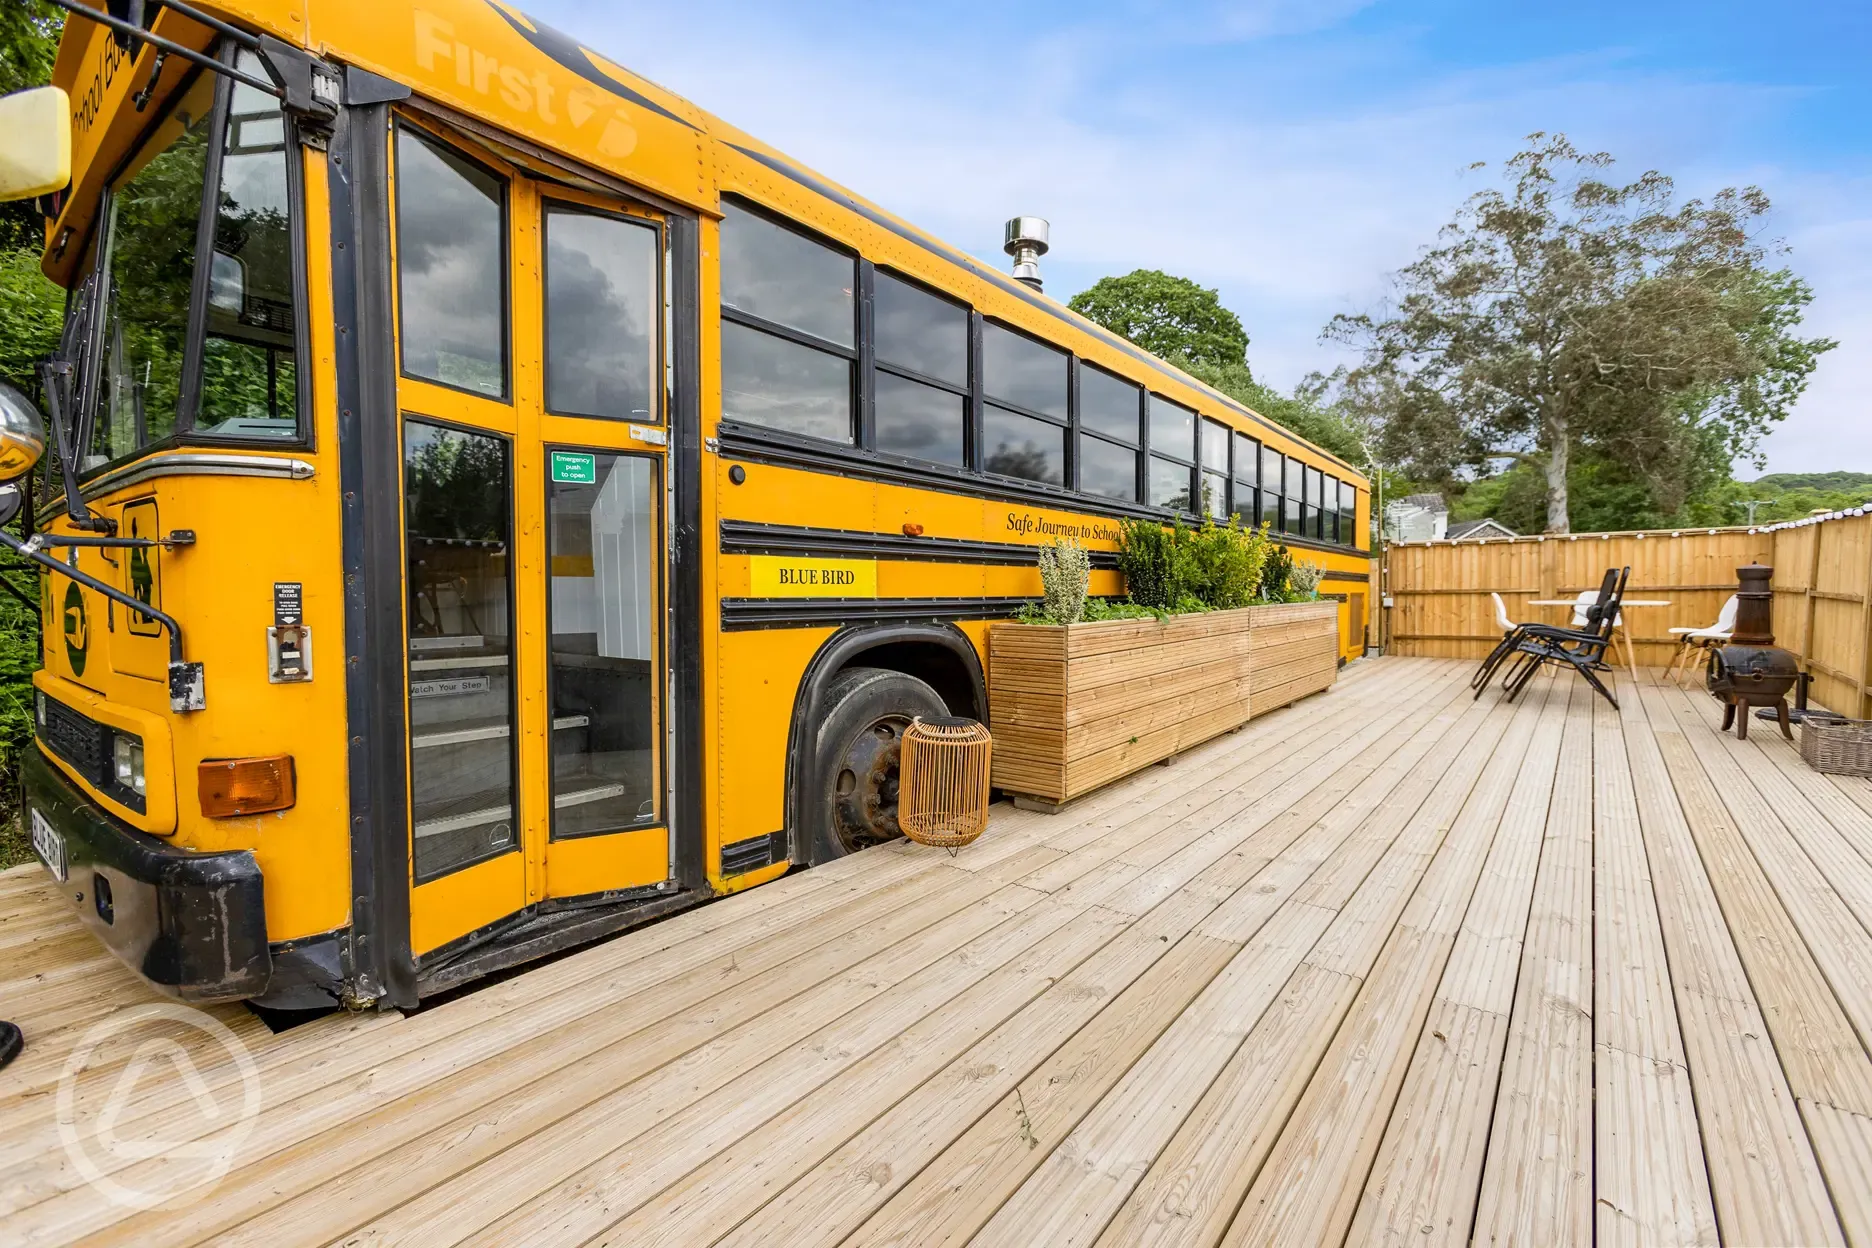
point(1295, 200)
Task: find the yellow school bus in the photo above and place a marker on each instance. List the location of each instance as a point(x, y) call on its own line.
point(490, 503)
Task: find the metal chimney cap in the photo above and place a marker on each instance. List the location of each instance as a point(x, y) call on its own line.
point(1026, 242)
point(1026, 232)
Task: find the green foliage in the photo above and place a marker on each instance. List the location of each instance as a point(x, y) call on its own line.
point(1175, 569)
point(1065, 571)
point(29, 32)
point(1301, 413)
point(1155, 561)
point(1276, 575)
point(1565, 313)
point(1225, 562)
point(19, 658)
point(1304, 581)
point(1605, 495)
point(1167, 316)
point(1096, 611)
point(1186, 325)
point(1840, 482)
point(32, 312)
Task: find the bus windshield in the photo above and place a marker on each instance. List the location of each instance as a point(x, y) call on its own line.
point(239, 379)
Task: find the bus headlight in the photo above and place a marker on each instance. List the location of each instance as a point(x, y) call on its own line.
point(22, 434)
point(127, 763)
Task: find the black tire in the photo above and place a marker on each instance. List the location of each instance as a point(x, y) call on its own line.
point(855, 757)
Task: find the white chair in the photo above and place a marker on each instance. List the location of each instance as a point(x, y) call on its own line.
point(1693, 640)
point(1501, 615)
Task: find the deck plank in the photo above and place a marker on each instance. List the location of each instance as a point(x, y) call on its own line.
point(1388, 965)
point(1651, 1180)
point(1766, 1182)
point(1537, 1177)
point(1310, 1186)
point(949, 1200)
point(1424, 1183)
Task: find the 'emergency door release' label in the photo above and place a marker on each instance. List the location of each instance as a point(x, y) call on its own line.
point(803, 576)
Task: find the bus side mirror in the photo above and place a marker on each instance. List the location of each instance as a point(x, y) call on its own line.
point(35, 143)
point(22, 435)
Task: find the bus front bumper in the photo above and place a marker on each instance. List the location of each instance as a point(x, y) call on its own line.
point(192, 924)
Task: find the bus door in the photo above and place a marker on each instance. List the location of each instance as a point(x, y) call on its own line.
point(532, 386)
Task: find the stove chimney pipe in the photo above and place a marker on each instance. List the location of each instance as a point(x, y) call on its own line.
point(1026, 242)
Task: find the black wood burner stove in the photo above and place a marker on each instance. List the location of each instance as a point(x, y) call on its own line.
point(1751, 670)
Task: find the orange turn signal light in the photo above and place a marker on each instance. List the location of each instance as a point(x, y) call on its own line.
point(246, 786)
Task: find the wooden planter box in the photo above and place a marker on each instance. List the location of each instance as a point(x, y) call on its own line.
point(1073, 707)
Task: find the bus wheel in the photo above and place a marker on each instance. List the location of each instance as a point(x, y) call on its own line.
point(859, 745)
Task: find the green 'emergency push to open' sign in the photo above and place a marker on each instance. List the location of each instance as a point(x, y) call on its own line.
point(572, 468)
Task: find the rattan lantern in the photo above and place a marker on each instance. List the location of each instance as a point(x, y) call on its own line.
point(943, 781)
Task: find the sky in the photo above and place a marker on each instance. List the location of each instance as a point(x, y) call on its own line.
point(1293, 154)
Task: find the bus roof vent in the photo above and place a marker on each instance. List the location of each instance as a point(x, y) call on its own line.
point(1026, 242)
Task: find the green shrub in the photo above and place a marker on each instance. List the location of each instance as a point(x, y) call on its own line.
point(1155, 560)
point(1303, 582)
point(1275, 574)
point(1226, 564)
point(19, 656)
point(1065, 572)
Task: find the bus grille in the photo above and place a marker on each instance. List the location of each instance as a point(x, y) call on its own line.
point(79, 740)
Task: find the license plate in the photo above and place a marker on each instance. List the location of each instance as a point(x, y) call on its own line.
point(49, 845)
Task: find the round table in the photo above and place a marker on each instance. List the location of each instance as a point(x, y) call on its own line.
point(1618, 625)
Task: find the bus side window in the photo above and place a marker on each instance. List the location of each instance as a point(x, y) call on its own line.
point(1215, 469)
point(922, 353)
point(1247, 479)
point(1172, 454)
point(249, 383)
point(1024, 421)
point(789, 329)
point(1110, 412)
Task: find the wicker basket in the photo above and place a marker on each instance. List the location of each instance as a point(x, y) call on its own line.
point(943, 799)
point(1835, 744)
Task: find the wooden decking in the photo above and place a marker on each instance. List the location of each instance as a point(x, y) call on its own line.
point(1390, 966)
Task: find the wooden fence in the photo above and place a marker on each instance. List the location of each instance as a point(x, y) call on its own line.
point(1436, 594)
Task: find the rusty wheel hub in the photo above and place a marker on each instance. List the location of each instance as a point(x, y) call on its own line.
point(864, 786)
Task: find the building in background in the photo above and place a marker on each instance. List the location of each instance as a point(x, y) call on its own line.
point(1416, 518)
point(1477, 530)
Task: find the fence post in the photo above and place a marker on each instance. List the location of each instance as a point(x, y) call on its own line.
point(1550, 569)
point(1864, 709)
point(1813, 584)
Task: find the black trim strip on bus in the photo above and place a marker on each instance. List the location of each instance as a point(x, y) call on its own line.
point(377, 955)
point(753, 853)
point(742, 614)
point(767, 446)
point(685, 530)
point(747, 537)
point(1034, 299)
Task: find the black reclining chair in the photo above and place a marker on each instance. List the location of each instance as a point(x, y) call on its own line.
point(1582, 649)
point(1510, 645)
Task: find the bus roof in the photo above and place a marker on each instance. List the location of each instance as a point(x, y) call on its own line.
point(488, 62)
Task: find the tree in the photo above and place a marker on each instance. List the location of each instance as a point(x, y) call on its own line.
point(1569, 313)
point(1186, 324)
point(1171, 317)
point(31, 312)
point(29, 33)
